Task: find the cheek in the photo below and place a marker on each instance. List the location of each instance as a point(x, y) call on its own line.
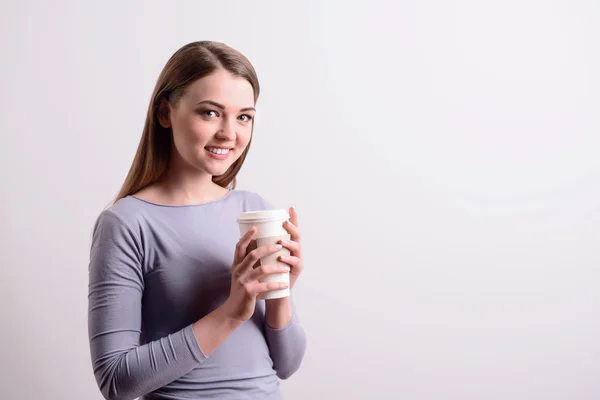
point(191, 131)
point(244, 136)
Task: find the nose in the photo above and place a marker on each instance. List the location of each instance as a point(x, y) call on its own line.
point(227, 131)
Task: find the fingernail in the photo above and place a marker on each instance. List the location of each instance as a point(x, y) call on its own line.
point(283, 257)
point(286, 269)
point(278, 247)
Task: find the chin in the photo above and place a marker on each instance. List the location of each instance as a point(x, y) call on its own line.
point(210, 166)
point(216, 170)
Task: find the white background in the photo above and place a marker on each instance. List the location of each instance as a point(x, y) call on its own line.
point(443, 157)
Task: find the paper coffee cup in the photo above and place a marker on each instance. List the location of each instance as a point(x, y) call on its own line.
point(269, 230)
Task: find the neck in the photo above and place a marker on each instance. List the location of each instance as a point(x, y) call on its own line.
point(183, 185)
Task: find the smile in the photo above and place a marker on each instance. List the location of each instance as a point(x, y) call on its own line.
point(216, 150)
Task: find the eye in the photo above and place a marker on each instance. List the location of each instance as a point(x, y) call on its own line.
point(245, 117)
point(209, 113)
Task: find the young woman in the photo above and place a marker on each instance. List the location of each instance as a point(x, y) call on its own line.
point(173, 310)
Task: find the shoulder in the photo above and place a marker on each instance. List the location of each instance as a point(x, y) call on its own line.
point(250, 201)
point(116, 240)
point(120, 219)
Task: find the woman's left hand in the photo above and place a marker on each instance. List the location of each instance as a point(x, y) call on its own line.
point(295, 258)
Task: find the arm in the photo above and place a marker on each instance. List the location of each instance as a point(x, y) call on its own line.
point(123, 368)
point(285, 336)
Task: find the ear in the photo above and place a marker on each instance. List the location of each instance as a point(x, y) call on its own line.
point(163, 113)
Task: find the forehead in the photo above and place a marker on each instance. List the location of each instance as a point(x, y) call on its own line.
point(222, 87)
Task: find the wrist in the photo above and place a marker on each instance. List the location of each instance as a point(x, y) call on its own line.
point(275, 304)
point(278, 312)
point(227, 316)
point(211, 330)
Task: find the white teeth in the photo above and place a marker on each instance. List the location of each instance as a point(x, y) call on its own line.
point(218, 151)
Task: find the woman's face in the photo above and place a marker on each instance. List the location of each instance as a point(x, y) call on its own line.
point(212, 121)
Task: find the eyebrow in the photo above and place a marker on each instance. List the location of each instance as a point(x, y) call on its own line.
point(222, 107)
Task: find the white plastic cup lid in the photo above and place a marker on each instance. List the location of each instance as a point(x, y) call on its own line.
point(263, 216)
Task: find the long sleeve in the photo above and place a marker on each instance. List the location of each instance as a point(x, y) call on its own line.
point(287, 346)
point(125, 369)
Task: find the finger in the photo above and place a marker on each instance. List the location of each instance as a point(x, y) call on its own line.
point(242, 245)
point(264, 270)
point(294, 247)
point(257, 254)
point(292, 230)
point(294, 216)
point(294, 262)
point(268, 286)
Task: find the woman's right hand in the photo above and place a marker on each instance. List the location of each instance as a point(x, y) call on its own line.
point(246, 282)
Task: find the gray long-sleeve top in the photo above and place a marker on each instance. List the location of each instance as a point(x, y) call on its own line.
point(154, 270)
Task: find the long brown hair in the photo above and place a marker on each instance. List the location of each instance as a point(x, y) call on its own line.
point(190, 63)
